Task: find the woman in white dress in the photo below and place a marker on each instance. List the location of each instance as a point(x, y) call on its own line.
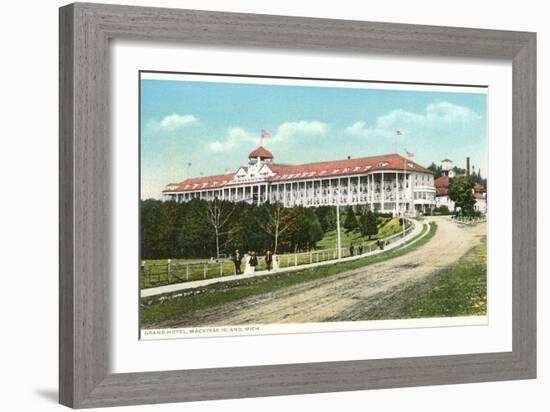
point(275, 262)
point(248, 270)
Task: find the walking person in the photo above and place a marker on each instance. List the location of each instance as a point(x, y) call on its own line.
point(360, 249)
point(248, 270)
point(351, 249)
point(253, 261)
point(275, 258)
point(268, 260)
point(237, 260)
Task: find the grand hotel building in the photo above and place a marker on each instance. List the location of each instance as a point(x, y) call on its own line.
point(388, 183)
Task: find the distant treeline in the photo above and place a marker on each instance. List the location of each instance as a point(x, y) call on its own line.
point(201, 229)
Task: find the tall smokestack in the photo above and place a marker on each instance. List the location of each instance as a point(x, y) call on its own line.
point(467, 166)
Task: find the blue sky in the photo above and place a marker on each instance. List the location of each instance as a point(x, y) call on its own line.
point(214, 125)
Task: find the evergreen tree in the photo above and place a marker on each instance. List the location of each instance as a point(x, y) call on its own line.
point(436, 170)
point(327, 217)
point(350, 222)
point(368, 224)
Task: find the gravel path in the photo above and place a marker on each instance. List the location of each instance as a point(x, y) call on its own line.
point(334, 297)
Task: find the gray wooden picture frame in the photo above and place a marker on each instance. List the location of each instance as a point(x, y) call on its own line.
point(85, 32)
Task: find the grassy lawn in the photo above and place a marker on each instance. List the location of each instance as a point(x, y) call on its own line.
point(387, 227)
point(155, 309)
point(157, 269)
point(459, 290)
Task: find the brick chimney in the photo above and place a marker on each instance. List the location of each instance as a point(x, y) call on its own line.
point(467, 166)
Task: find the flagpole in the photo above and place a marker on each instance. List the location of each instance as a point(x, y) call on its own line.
point(404, 187)
point(338, 237)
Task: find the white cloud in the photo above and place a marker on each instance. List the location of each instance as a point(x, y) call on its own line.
point(234, 137)
point(237, 136)
point(173, 122)
point(442, 116)
point(292, 130)
point(357, 128)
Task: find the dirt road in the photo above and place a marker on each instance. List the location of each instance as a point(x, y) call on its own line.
point(334, 297)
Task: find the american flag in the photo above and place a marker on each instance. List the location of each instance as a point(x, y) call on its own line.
point(409, 154)
point(265, 133)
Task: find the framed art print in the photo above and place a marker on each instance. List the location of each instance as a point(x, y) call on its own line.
point(267, 205)
point(329, 237)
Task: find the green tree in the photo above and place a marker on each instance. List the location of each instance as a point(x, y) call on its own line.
point(350, 222)
point(194, 235)
point(368, 224)
point(327, 217)
point(443, 210)
point(278, 221)
point(149, 221)
point(217, 214)
point(436, 170)
point(307, 230)
point(461, 192)
point(459, 171)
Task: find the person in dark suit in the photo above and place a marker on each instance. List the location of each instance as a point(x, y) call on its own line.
point(360, 249)
point(237, 259)
point(351, 249)
point(268, 260)
point(253, 261)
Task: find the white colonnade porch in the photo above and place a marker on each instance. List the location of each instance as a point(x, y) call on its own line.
point(387, 184)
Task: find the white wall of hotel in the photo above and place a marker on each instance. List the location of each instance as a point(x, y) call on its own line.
point(445, 200)
point(479, 206)
point(388, 191)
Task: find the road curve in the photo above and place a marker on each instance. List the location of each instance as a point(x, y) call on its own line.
point(333, 297)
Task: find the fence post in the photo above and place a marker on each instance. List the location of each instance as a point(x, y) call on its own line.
point(310, 257)
point(187, 272)
point(295, 259)
point(221, 268)
point(145, 270)
point(205, 270)
point(169, 269)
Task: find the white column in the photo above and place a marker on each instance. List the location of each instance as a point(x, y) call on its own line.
point(397, 193)
point(372, 190)
point(349, 191)
point(383, 191)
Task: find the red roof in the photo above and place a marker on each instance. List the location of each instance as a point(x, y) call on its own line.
point(261, 152)
point(284, 173)
point(479, 188)
point(442, 185)
point(203, 182)
point(344, 167)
